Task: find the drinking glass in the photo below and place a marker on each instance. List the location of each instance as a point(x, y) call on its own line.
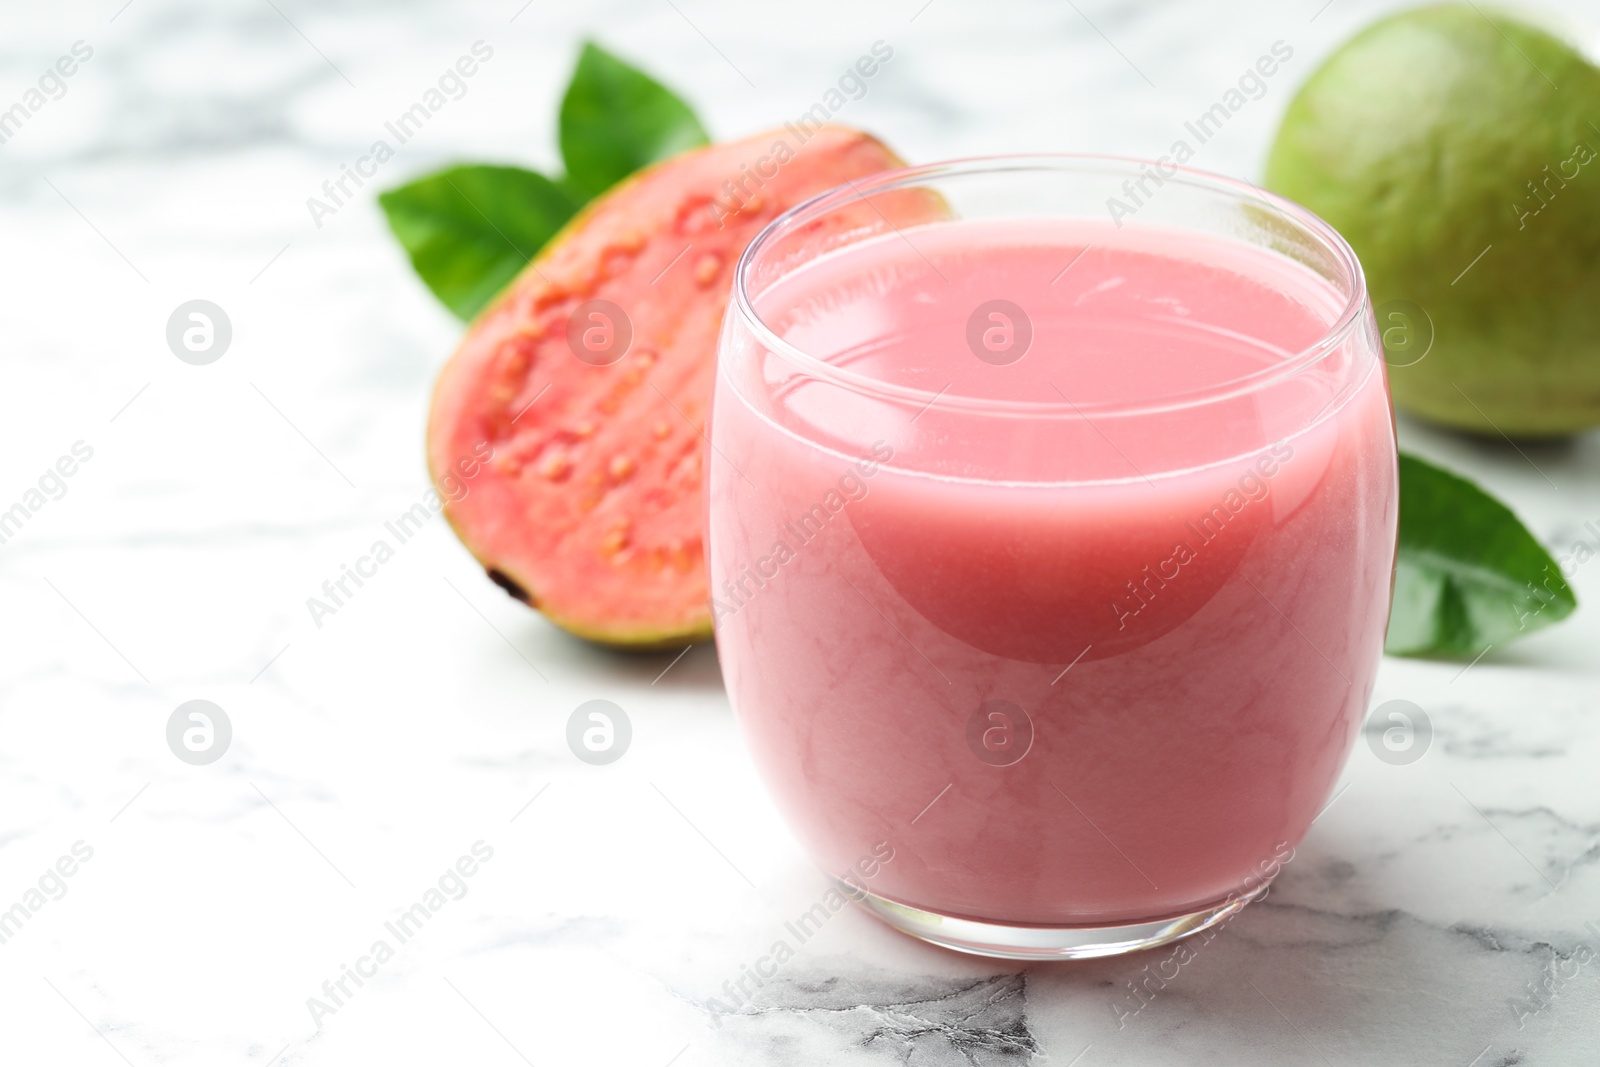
point(1052, 509)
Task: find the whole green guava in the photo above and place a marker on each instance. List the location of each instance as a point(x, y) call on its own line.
point(1458, 151)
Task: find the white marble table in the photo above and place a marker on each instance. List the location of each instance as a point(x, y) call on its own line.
point(206, 904)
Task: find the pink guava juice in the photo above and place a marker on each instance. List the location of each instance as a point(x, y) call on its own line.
point(1059, 560)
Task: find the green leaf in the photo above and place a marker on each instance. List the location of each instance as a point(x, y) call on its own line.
point(1469, 574)
point(471, 229)
point(616, 119)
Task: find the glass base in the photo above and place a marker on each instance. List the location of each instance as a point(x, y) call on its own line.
point(1030, 942)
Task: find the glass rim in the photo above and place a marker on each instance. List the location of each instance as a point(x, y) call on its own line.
point(809, 210)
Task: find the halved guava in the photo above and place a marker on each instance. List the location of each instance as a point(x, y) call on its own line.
point(566, 435)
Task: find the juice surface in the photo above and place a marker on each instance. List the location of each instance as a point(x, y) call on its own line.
point(1157, 544)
